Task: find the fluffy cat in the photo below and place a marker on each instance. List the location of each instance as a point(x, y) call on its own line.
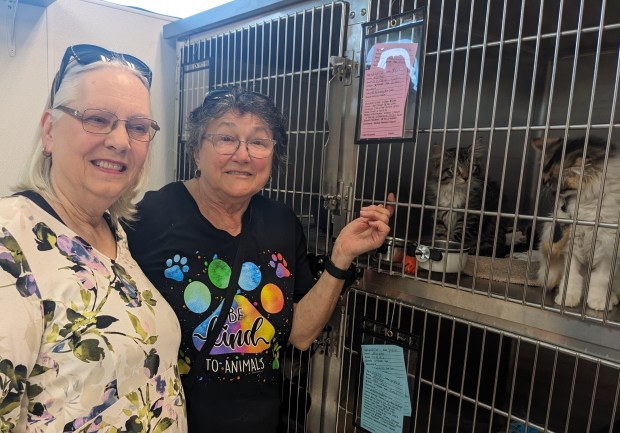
point(452, 168)
point(555, 238)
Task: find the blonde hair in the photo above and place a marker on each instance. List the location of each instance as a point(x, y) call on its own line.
point(37, 177)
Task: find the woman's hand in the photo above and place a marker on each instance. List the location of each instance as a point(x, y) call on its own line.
point(359, 236)
point(363, 234)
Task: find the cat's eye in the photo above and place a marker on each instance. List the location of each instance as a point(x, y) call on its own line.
point(550, 184)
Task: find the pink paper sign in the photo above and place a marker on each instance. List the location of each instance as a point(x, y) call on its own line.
point(384, 95)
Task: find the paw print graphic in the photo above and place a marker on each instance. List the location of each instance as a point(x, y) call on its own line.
point(176, 268)
point(279, 264)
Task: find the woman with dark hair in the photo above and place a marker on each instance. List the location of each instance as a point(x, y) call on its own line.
point(234, 264)
point(87, 344)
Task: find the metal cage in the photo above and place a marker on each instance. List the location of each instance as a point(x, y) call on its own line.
point(497, 353)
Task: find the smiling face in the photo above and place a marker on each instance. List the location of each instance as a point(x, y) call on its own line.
point(233, 178)
point(93, 170)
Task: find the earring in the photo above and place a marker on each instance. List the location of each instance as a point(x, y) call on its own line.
point(46, 154)
point(197, 173)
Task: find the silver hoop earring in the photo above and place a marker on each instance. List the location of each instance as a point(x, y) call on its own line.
point(197, 173)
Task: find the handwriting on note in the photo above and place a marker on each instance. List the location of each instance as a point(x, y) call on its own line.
point(384, 95)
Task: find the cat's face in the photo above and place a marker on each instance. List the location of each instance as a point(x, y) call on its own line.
point(568, 174)
point(452, 165)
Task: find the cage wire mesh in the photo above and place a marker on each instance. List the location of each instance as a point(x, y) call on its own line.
point(287, 58)
point(465, 377)
point(497, 76)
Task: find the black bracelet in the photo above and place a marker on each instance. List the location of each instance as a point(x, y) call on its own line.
point(335, 271)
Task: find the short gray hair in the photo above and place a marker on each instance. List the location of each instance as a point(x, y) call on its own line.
point(37, 174)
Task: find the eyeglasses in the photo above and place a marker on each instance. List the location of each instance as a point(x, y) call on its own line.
point(226, 92)
point(86, 54)
point(258, 148)
point(98, 121)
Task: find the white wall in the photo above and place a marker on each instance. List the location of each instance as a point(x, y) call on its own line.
point(41, 36)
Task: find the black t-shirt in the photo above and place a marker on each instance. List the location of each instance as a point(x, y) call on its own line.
point(189, 261)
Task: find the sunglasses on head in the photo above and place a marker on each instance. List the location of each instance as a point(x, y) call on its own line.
point(86, 54)
point(226, 92)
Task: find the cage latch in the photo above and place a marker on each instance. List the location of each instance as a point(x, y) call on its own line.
point(343, 69)
point(332, 202)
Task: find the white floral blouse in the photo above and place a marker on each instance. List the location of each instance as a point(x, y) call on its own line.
point(87, 344)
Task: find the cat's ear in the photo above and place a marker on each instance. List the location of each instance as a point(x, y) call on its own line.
point(435, 151)
point(478, 149)
point(552, 142)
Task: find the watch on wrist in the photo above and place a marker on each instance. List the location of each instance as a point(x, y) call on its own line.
point(335, 271)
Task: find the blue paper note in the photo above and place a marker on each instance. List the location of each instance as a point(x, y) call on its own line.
point(385, 392)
